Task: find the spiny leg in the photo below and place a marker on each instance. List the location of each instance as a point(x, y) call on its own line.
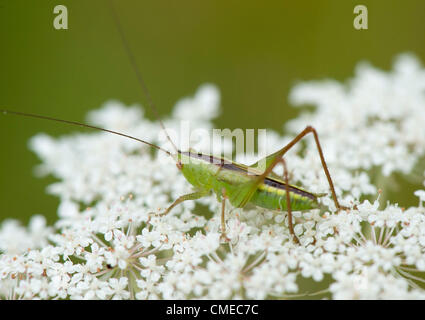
point(223, 220)
point(288, 201)
point(223, 205)
point(189, 196)
point(279, 154)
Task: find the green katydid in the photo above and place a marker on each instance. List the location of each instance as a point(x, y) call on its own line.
point(238, 183)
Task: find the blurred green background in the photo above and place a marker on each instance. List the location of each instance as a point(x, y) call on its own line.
point(254, 51)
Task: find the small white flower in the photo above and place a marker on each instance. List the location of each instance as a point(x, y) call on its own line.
point(150, 238)
point(119, 288)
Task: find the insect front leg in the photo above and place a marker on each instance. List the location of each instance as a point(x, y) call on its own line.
point(190, 196)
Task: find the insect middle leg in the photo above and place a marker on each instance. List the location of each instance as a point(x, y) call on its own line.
point(288, 200)
point(189, 196)
point(223, 218)
point(223, 205)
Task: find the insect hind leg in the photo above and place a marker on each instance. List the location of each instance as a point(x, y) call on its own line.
point(310, 129)
point(281, 152)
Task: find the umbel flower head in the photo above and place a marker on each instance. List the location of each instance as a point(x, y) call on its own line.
point(109, 242)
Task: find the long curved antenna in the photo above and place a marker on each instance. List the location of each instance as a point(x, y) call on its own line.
point(30, 115)
point(137, 71)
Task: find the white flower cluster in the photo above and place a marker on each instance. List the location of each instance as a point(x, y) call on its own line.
point(109, 242)
point(375, 119)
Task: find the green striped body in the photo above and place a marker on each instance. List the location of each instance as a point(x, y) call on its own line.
point(275, 199)
point(207, 173)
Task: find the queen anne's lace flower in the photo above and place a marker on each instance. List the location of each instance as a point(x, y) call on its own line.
point(109, 243)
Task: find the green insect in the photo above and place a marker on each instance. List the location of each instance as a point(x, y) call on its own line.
point(240, 184)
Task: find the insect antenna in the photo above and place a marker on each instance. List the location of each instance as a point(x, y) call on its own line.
point(142, 85)
point(75, 123)
point(137, 71)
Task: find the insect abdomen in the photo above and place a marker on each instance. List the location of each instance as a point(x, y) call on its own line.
point(275, 199)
